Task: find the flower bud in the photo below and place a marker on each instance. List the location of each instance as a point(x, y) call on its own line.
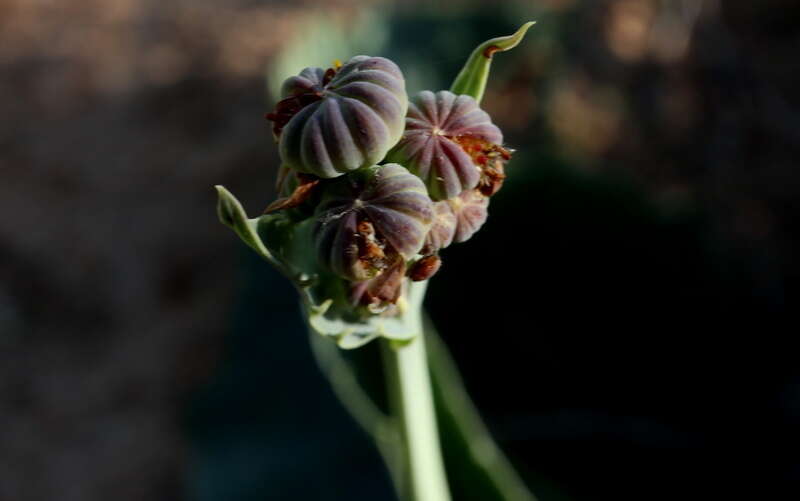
point(335, 121)
point(449, 142)
point(471, 210)
point(442, 230)
point(370, 219)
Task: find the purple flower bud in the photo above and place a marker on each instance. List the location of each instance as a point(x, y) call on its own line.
point(450, 143)
point(335, 121)
point(370, 219)
point(442, 230)
point(456, 220)
point(471, 211)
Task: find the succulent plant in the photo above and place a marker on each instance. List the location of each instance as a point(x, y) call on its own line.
point(449, 142)
point(369, 219)
point(334, 121)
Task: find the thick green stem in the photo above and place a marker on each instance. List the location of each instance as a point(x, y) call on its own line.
point(354, 398)
point(472, 453)
point(412, 398)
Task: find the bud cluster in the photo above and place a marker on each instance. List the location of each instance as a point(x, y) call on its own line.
point(387, 182)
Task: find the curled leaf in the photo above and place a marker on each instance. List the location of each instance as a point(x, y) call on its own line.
point(471, 80)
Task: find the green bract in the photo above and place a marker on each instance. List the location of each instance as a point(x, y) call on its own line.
point(335, 121)
point(472, 78)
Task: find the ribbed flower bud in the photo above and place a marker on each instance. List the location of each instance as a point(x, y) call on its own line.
point(450, 143)
point(370, 219)
point(471, 210)
point(442, 230)
point(334, 121)
point(456, 220)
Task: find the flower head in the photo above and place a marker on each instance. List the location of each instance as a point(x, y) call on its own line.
point(334, 121)
point(370, 219)
point(450, 143)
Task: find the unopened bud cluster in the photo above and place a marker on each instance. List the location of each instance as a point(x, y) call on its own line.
point(387, 181)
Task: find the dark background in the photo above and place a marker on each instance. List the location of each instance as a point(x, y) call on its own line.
point(624, 320)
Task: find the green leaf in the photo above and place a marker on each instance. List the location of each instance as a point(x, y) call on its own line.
point(232, 214)
point(471, 80)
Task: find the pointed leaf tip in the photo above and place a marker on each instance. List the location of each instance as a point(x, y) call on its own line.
point(232, 214)
point(472, 78)
point(229, 209)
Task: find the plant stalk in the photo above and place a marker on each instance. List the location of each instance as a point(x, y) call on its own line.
point(409, 383)
point(472, 453)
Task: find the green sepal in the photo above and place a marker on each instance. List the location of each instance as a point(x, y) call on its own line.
point(471, 80)
point(354, 333)
point(288, 245)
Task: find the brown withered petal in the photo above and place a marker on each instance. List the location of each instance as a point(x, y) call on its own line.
point(445, 142)
point(381, 290)
point(425, 268)
point(471, 211)
point(306, 184)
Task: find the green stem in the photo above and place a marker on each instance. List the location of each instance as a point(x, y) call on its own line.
point(411, 395)
point(474, 455)
point(354, 398)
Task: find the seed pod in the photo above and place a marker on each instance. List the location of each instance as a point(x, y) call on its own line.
point(335, 121)
point(369, 219)
point(471, 211)
point(447, 142)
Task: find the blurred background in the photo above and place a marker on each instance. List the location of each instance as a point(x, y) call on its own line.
point(632, 297)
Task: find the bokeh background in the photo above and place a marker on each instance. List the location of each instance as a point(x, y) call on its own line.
point(624, 321)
